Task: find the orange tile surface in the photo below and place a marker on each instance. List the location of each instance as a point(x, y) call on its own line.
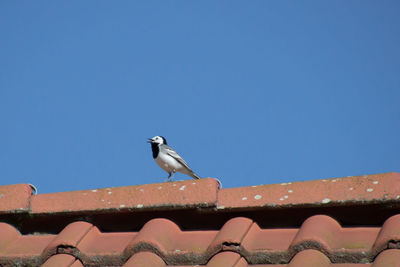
point(15, 198)
point(62, 260)
point(320, 235)
point(201, 193)
point(241, 236)
point(336, 191)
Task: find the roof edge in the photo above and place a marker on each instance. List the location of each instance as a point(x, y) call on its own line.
point(160, 196)
point(15, 198)
point(346, 191)
point(205, 194)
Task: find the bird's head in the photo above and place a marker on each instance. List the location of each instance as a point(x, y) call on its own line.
point(157, 140)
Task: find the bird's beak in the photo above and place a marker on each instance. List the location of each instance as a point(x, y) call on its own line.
point(149, 140)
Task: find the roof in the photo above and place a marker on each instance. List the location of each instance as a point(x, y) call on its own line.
point(340, 222)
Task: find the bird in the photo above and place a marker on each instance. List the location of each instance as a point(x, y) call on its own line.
point(168, 159)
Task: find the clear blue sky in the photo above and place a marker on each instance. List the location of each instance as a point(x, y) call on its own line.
point(253, 92)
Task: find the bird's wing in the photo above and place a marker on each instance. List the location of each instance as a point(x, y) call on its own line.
point(176, 156)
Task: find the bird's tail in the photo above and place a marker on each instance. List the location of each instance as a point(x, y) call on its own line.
point(195, 176)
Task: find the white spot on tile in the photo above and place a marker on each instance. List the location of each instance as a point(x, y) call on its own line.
point(109, 193)
point(398, 197)
point(102, 200)
point(286, 197)
point(257, 197)
point(253, 186)
point(334, 180)
point(193, 183)
point(370, 189)
point(122, 206)
point(326, 200)
point(141, 190)
point(108, 202)
point(182, 187)
point(174, 185)
point(290, 191)
point(94, 191)
point(351, 188)
point(160, 187)
point(220, 207)
point(289, 183)
point(281, 199)
point(284, 183)
point(375, 182)
point(177, 250)
point(324, 180)
point(244, 198)
point(139, 206)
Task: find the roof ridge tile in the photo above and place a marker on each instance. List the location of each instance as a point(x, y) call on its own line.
point(15, 198)
point(377, 188)
point(204, 193)
point(201, 193)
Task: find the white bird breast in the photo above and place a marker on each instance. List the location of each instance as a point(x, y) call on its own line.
point(168, 163)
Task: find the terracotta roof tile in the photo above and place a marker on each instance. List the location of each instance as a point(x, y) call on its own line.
point(357, 189)
point(310, 257)
point(62, 260)
point(224, 259)
point(325, 234)
point(164, 238)
point(206, 226)
point(176, 247)
point(231, 235)
point(67, 241)
point(15, 198)
point(314, 258)
point(389, 236)
point(267, 245)
point(8, 234)
point(199, 193)
point(96, 243)
point(388, 258)
point(144, 259)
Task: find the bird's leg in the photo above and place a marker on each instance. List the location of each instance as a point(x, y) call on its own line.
point(173, 176)
point(169, 175)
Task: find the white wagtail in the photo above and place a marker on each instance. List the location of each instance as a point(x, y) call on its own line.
point(167, 158)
